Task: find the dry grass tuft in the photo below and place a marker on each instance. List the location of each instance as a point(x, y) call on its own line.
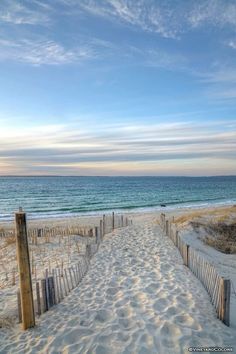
point(220, 235)
point(188, 217)
point(9, 240)
point(220, 245)
point(217, 224)
point(219, 214)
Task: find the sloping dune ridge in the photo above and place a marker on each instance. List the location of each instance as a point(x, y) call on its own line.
point(137, 297)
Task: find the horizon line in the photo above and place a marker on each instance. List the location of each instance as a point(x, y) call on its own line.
point(122, 176)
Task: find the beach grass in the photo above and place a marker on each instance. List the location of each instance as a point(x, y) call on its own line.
point(217, 227)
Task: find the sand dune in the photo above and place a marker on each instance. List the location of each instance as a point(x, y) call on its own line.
point(137, 297)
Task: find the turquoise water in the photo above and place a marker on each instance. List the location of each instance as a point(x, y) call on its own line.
point(56, 196)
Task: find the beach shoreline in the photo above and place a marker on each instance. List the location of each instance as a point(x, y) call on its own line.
point(44, 198)
point(93, 219)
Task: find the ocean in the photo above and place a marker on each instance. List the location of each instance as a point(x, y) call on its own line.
point(43, 197)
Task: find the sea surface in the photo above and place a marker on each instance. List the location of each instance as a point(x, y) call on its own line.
point(43, 197)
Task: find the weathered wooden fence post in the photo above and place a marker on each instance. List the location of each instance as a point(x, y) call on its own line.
point(26, 292)
point(96, 235)
point(38, 299)
point(186, 255)
point(44, 295)
point(167, 227)
point(19, 306)
point(163, 221)
point(103, 225)
point(101, 230)
point(224, 308)
point(113, 220)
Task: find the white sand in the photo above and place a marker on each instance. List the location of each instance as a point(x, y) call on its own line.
point(137, 297)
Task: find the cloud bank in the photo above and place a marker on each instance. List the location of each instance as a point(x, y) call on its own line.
point(155, 149)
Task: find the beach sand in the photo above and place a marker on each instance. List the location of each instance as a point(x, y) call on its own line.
point(137, 297)
point(93, 219)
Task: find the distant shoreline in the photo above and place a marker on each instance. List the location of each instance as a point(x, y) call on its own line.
point(126, 211)
point(117, 176)
point(94, 218)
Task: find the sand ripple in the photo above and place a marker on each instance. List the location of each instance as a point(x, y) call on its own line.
point(137, 297)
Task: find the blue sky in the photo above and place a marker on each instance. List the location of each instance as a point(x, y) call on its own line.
point(118, 87)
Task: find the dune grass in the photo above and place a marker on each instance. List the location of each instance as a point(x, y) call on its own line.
point(219, 214)
point(221, 236)
point(9, 240)
point(217, 227)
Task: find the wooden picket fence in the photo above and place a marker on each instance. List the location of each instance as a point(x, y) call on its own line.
point(108, 223)
point(59, 282)
point(6, 233)
point(217, 286)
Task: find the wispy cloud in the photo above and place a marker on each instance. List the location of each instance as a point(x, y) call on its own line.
point(24, 13)
point(223, 75)
point(164, 18)
point(212, 12)
point(168, 19)
point(147, 16)
point(37, 50)
point(163, 59)
point(156, 144)
point(41, 51)
point(220, 84)
point(20, 40)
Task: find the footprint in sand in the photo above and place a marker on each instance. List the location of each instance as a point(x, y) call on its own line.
point(126, 323)
point(124, 312)
point(141, 297)
point(123, 337)
point(152, 288)
point(170, 330)
point(185, 300)
point(135, 280)
point(134, 304)
point(123, 302)
point(160, 305)
point(112, 291)
point(101, 349)
point(187, 321)
point(146, 340)
point(171, 311)
point(103, 316)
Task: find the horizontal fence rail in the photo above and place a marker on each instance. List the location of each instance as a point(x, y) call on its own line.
point(217, 286)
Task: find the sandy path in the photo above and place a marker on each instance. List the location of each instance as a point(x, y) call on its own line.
point(136, 298)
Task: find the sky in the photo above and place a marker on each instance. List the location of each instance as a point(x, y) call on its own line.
point(118, 87)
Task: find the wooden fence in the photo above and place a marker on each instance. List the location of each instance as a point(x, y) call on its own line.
point(217, 286)
point(57, 283)
point(109, 223)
